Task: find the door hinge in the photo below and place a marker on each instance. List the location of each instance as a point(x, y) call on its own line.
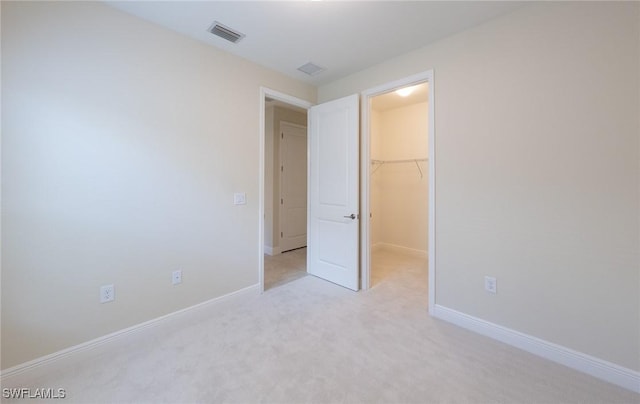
point(281, 169)
point(281, 201)
point(281, 234)
point(282, 135)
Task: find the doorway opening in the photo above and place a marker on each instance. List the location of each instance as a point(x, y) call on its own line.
point(398, 178)
point(399, 190)
point(283, 189)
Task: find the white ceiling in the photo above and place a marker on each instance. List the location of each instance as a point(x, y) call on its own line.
point(392, 100)
point(342, 36)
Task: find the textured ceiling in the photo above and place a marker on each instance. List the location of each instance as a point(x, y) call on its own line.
point(344, 37)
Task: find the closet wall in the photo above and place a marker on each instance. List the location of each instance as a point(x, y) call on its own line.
point(399, 192)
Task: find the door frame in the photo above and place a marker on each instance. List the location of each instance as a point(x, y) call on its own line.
point(281, 215)
point(298, 102)
point(365, 179)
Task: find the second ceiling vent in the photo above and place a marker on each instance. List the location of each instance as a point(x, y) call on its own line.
point(311, 69)
point(225, 32)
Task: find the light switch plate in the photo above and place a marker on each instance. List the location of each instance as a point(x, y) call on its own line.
point(240, 198)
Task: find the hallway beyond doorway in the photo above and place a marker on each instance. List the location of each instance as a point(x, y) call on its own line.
point(283, 268)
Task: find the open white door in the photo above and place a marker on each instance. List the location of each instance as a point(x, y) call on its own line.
point(333, 222)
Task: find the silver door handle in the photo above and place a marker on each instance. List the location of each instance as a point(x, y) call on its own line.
point(351, 216)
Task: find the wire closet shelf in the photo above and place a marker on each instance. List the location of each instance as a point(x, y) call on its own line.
point(379, 163)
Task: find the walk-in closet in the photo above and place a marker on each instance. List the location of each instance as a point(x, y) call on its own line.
point(399, 190)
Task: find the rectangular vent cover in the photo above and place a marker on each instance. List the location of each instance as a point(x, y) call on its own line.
point(311, 69)
point(225, 32)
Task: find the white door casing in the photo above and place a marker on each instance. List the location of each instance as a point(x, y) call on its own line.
point(293, 186)
point(333, 184)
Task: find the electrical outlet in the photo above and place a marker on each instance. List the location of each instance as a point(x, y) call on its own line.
point(490, 284)
point(107, 293)
point(176, 277)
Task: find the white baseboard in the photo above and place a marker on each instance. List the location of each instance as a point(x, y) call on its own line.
point(238, 295)
point(399, 249)
point(272, 250)
point(607, 371)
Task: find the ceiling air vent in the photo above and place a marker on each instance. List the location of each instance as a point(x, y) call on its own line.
point(311, 69)
point(225, 32)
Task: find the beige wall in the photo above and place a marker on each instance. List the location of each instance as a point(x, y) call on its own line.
point(122, 146)
point(375, 192)
point(537, 169)
point(272, 173)
point(399, 194)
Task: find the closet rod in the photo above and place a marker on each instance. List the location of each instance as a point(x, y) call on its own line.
point(397, 161)
point(382, 162)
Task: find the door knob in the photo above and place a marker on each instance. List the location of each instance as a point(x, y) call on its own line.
point(351, 216)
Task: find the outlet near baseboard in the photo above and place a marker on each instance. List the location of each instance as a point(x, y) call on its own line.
point(107, 293)
point(176, 277)
point(490, 284)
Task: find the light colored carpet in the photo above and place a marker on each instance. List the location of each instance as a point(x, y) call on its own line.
point(283, 268)
point(312, 341)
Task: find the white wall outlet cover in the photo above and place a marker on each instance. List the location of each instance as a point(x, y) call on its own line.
point(107, 293)
point(490, 284)
point(239, 198)
point(176, 277)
